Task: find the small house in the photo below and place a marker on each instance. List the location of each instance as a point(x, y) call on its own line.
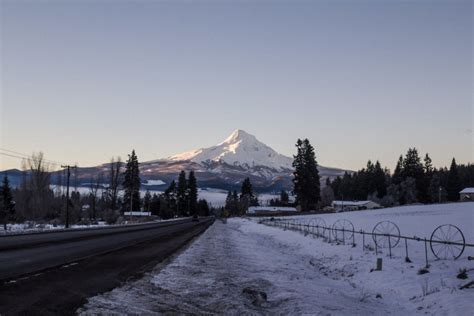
point(467, 195)
point(261, 210)
point(341, 206)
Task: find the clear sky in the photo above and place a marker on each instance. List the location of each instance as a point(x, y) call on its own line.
point(85, 80)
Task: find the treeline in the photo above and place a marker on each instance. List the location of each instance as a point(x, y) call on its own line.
point(238, 204)
point(414, 180)
point(41, 198)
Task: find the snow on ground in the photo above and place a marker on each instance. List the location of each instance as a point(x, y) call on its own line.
point(419, 220)
point(223, 271)
point(29, 227)
point(32, 227)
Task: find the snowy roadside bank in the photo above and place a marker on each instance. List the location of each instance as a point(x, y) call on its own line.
point(232, 267)
point(32, 227)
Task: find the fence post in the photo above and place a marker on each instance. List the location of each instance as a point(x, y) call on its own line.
point(353, 238)
point(389, 246)
point(343, 237)
point(363, 240)
point(426, 253)
point(406, 251)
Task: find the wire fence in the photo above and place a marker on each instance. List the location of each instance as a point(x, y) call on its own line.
point(446, 242)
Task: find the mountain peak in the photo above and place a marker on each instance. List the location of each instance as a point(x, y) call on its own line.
point(239, 149)
point(238, 135)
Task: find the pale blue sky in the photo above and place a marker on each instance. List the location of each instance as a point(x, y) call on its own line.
point(85, 80)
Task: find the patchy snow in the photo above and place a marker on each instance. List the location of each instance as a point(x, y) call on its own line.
point(29, 227)
point(232, 267)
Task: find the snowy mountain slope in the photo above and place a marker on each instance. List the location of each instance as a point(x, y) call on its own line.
point(239, 149)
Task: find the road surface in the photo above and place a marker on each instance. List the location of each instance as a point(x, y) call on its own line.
point(54, 273)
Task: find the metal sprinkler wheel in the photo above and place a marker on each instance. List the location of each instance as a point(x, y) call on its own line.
point(318, 226)
point(447, 242)
point(386, 234)
point(342, 230)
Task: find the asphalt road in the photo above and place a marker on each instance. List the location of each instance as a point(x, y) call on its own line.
point(56, 273)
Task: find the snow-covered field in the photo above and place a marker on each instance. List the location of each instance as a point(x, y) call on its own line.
point(413, 220)
point(233, 266)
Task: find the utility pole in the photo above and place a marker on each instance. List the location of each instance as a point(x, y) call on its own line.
point(67, 192)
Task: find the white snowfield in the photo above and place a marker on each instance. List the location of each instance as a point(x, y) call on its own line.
point(232, 267)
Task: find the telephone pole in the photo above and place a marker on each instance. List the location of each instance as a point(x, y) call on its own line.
point(67, 192)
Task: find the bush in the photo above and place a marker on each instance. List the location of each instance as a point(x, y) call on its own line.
point(111, 216)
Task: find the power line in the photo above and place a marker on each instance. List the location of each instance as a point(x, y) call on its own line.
point(15, 154)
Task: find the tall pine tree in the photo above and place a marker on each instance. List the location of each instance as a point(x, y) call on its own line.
point(147, 201)
point(131, 184)
point(306, 176)
point(181, 195)
point(192, 194)
point(453, 185)
point(7, 205)
point(247, 197)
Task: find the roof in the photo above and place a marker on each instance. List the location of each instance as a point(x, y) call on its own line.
point(353, 203)
point(271, 209)
point(467, 190)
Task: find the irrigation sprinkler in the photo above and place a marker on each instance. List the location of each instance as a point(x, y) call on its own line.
point(447, 242)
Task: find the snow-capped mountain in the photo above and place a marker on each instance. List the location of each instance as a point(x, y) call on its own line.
point(239, 149)
point(223, 166)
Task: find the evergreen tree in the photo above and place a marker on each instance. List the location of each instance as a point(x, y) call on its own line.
point(7, 205)
point(181, 195)
point(379, 181)
point(408, 193)
point(397, 173)
point(203, 208)
point(435, 190)
point(155, 204)
point(424, 188)
point(131, 184)
point(336, 187)
point(453, 186)
point(147, 201)
point(306, 176)
point(192, 194)
point(428, 166)
point(168, 208)
point(413, 168)
point(284, 198)
point(231, 203)
point(247, 197)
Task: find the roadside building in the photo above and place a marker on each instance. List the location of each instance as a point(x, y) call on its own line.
point(467, 195)
point(136, 213)
point(341, 206)
point(264, 210)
